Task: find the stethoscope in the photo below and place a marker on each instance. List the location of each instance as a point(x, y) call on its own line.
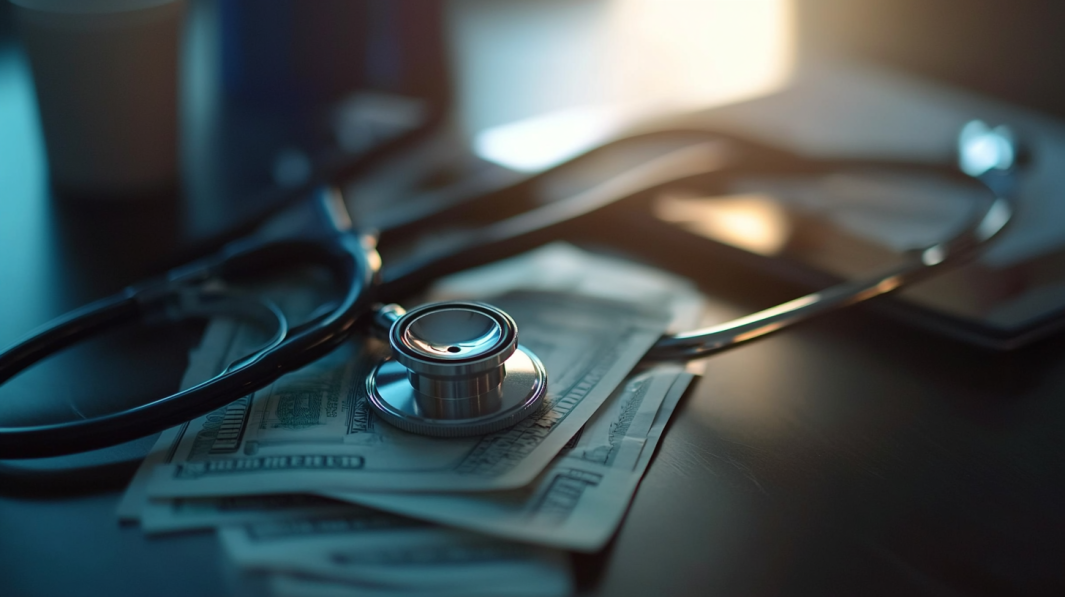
point(456, 368)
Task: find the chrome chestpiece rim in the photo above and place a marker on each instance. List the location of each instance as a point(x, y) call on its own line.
point(456, 370)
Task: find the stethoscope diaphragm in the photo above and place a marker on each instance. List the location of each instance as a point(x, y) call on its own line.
point(456, 370)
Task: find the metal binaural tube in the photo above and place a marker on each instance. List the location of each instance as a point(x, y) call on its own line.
point(998, 173)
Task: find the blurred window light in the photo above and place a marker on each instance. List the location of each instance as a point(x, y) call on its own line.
point(535, 144)
point(755, 223)
point(692, 54)
point(539, 82)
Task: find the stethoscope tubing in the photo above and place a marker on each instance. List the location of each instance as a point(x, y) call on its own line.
point(699, 162)
point(344, 254)
point(356, 265)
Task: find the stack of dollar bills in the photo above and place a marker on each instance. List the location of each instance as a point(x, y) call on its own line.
point(311, 494)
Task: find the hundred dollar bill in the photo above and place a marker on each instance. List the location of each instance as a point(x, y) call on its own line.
point(562, 267)
point(285, 585)
point(184, 514)
point(576, 503)
point(558, 266)
point(224, 341)
point(313, 430)
point(204, 361)
point(579, 501)
point(375, 550)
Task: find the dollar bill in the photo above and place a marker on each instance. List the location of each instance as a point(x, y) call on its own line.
point(285, 585)
point(562, 267)
point(204, 361)
point(224, 341)
point(577, 503)
point(580, 500)
point(373, 550)
point(556, 267)
point(313, 429)
point(185, 514)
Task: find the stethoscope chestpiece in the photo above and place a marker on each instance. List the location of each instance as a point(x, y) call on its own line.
point(456, 370)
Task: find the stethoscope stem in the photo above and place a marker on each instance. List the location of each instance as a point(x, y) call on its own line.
point(920, 265)
point(707, 341)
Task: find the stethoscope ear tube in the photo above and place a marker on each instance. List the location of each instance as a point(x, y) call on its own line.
point(65, 331)
point(998, 177)
point(353, 263)
point(527, 230)
point(531, 229)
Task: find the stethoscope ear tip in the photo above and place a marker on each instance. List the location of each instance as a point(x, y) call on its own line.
point(983, 149)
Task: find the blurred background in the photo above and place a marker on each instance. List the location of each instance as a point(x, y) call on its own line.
point(414, 102)
point(944, 454)
point(498, 62)
point(1004, 49)
point(493, 63)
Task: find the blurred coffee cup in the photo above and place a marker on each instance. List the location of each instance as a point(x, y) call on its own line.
point(106, 75)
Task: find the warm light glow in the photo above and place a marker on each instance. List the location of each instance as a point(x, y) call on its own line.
point(692, 54)
point(754, 223)
point(541, 82)
point(889, 284)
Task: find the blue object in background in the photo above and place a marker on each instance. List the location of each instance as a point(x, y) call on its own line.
point(292, 54)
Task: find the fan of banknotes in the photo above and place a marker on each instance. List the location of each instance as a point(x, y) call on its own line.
point(311, 495)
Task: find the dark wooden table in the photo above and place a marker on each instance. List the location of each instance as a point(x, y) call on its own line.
point(850, 456)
